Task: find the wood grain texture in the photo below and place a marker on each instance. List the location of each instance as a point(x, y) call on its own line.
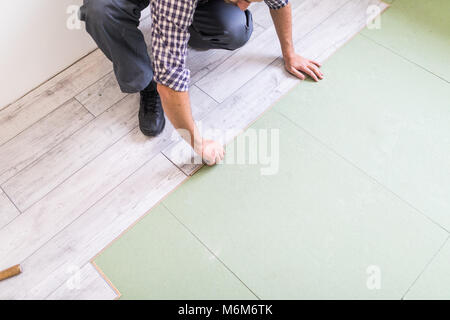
point(200, 63)
point(97, 227)
point(254, 57)
point(31, 144)
point(101, 95)
point(86, 284)
point(23, 113)
point(337, 30)
point(7, 209)
point(53, 168)
point(261, 13)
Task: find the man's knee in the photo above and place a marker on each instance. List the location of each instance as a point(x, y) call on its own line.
point(237, 31)
point(96, 12)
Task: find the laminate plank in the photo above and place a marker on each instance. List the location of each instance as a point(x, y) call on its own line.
point(31, 144)
point(26, 111)
point(338, 30)
point(7, 210)
point(48, 267)
point(86, 284)
point(53, 168)
point(101, 95)
point(261, 13)
point(201, 62)
point(253, 58)
point(246, 104)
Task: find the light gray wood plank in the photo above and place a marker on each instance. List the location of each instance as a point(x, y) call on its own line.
point(58, 164)
point(53, 168)
point(257, 95)
point(23, 113)
point(338, 30)
point(50, 266)
point(261, 13)
point(200, 63)
point(29, 145)
point(7, 210)
point(85, 284)
point(201, 103)
point(101, 95)
point(253, 58)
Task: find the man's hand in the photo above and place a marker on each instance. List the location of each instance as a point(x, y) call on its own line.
point(212, 152)
point(177, 107)
point(296, 64)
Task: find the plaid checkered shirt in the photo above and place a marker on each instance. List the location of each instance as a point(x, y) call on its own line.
point(170, 22)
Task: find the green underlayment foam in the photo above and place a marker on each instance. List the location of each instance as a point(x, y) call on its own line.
point(361, 192)
point(418, 30)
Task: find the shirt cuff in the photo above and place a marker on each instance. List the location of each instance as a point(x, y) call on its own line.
point(176, 79)
point(276, 4)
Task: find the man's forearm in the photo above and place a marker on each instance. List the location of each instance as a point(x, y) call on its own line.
point(282, 19)
point(177, 107)
point(294, 63)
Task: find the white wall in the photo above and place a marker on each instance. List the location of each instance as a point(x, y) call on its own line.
point(36, 44)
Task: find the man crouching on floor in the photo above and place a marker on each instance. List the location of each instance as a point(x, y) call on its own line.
point(163, 81)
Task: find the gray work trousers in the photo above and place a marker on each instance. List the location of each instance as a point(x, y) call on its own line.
point(113, 24)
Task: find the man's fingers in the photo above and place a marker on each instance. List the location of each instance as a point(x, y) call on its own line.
point(316, 63)
point(316, 70)
point(297, 73)
point(310, 73)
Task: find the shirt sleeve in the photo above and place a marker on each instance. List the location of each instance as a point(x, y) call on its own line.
point(170, 22)
point(276, 4)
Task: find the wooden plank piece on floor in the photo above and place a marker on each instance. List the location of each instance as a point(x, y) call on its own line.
point(31, 144)
point(26, 111)
point(48, 267)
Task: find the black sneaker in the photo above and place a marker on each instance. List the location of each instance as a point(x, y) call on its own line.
point(151, 114)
